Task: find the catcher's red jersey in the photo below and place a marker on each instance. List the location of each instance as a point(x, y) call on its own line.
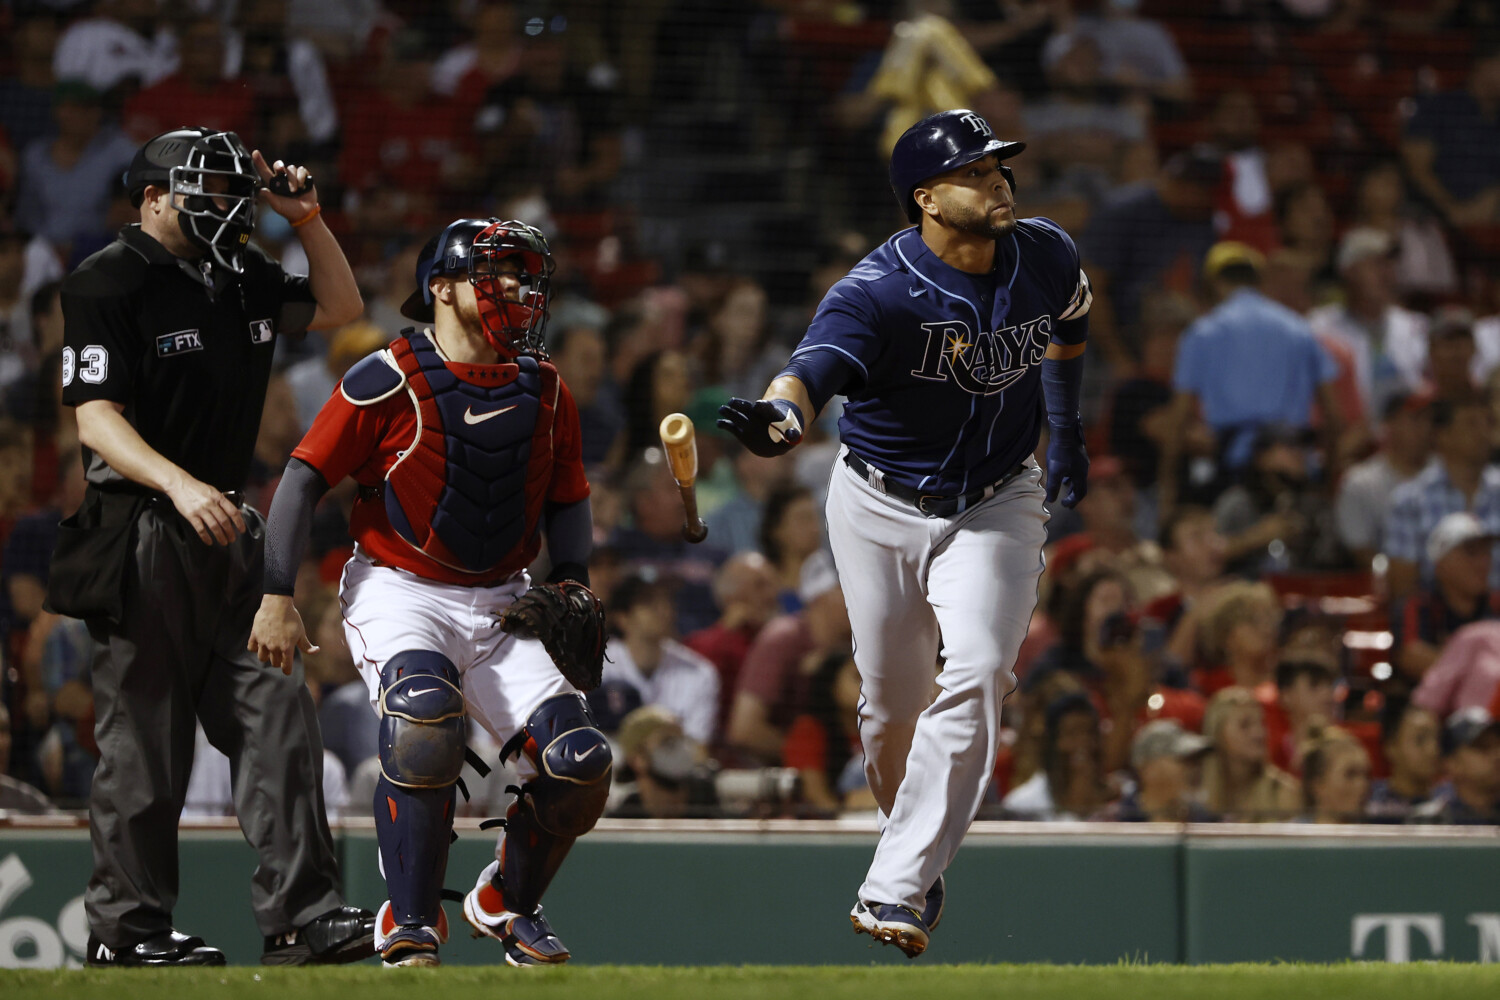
point(465, 504)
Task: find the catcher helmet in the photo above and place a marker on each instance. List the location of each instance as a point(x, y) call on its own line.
point(185, 161)
point(473, 249)
point(939, 143)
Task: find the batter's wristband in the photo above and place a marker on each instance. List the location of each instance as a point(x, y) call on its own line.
point(317, 210)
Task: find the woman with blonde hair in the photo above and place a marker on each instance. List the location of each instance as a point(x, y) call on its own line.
point(1237, 638)
point(1335, 776)
point(1239, 783)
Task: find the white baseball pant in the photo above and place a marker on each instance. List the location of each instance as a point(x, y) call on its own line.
point(918, 588)
point(387, 611)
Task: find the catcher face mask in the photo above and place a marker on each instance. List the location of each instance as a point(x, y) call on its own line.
point(520, 252)
point(214, 194)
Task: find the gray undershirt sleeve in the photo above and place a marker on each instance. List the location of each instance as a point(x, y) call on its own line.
point(290, 524)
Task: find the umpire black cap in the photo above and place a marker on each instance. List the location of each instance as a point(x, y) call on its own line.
point(939, 143)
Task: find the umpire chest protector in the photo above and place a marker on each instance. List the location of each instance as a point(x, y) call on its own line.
point(468, 490)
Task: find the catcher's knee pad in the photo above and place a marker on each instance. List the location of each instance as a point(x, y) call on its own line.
point(559, 805)
point(421, 720)
point(573, 763)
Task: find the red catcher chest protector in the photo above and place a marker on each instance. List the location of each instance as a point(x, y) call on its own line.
point(468, 491)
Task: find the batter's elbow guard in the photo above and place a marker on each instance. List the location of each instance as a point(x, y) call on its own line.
point(421, 720)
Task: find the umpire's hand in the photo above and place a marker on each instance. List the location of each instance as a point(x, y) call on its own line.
point(278, 633)
point(209, 511)
point(288, 189)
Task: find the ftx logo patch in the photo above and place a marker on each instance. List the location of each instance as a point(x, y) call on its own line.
point(180, 342)
point(260, 331)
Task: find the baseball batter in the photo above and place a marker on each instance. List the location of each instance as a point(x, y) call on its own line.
point(466, 447)
point(952, 342)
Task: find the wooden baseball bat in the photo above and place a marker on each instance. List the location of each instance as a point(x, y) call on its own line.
point(681, 446)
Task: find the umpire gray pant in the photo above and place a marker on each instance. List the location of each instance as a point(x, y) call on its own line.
point(180, 654)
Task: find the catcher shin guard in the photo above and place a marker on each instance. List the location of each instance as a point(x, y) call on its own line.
point(421, 755)
point(559, 805)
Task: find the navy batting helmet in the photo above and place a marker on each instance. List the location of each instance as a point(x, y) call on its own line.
point(471, 249)
point(939, 143)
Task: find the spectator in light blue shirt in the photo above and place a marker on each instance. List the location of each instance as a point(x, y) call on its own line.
point(1250, 362)
point(66, 178)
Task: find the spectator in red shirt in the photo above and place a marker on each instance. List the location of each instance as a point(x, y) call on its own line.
point(745, 590)
point(1237, 638)
point(823, 743)
point(773, 685)
point(1460, 549)
point(197, 93)
point(398, 134)
point(1195, 553)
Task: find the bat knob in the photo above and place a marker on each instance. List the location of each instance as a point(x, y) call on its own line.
point(695, 532)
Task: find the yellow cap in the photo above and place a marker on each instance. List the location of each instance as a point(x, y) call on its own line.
point(1229, 253)
point(354, 340)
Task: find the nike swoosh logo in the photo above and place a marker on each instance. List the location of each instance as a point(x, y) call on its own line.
point(579, 756)
point(418, 694)
point(782, 430)
point(914, 292)
point(471, 418)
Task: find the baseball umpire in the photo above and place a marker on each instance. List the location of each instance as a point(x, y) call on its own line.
point(169, 336)
point(467, 450)
point(953, 341)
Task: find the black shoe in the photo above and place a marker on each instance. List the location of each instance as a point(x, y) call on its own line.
point(166, 948)
point(346, 934)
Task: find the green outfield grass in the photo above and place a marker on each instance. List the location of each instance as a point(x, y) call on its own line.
point(952, 982)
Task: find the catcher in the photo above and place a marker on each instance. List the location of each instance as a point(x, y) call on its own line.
point(465, 445)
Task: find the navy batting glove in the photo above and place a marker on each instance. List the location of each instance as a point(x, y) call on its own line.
point(768, 427)
point(1067, 461)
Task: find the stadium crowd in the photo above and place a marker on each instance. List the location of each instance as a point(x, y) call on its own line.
point(1280, 599)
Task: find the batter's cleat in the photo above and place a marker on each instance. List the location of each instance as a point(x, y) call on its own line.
point(891, 923)
point(528, 941)
point(932, 909)
point(168, 948)
point(408, 944)
point(339, 936)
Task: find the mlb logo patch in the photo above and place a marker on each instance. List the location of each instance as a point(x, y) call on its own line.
point(260, 331)
point(180, 342)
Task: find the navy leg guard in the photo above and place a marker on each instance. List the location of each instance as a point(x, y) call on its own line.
point(421, 756)
point(559, 805)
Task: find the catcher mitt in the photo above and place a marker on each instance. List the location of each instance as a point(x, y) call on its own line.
point(568, 620)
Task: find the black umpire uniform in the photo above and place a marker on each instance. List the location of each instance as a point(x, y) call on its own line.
point(186, 347)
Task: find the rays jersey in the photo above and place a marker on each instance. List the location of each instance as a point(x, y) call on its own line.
point(942, 368)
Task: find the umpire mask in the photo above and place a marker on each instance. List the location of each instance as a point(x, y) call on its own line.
point(214, 194)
